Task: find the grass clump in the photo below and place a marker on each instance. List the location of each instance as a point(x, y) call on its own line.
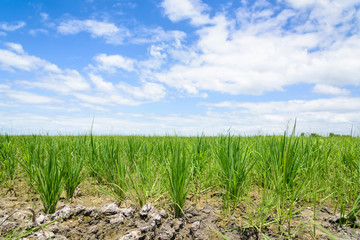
point(234, 162)
point(8, 163)
point(44, 172)
point(179, 175)
point(73, 158)
point(109, 167)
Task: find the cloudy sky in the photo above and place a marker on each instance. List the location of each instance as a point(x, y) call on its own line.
point(184, 66)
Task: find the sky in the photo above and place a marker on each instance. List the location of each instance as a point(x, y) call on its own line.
point(188, 67)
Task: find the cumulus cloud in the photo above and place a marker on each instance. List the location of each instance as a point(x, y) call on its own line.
point(12, 26)
point(210, 123)
point(96, 28)
point(263, 50)
point(195, 10)
point(109, 31)
point(35, 32)
point(22, 96)
point(158, 34)
point(15, 47)
point(16, 58)
point(323, 3)
point(72, 83)
point(27, 97)
point(101, 84)
point(330, 90)
point(254, 49)
point(44, 16)
point(106, 99)
point(111, 63)
point(66, 81)
point(149, 91)
point(118, 35)
point(319, 115)
point(333, 105)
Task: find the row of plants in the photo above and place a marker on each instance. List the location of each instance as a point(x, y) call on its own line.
point(288, 172)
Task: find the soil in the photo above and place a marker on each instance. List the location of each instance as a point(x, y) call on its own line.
point(97, 216)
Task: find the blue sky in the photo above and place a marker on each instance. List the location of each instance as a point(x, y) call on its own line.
point(184, 66)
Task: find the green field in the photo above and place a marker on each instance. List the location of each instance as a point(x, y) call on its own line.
point(259, 176)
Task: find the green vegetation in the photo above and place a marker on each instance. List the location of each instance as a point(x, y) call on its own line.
point(44, 172)
point(179, 173)
point(286, 173)
point(8, 163)
point(235, 163)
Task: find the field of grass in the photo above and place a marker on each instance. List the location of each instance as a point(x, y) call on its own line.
point(269, 179)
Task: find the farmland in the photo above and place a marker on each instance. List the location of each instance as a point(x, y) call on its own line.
point(220, 187)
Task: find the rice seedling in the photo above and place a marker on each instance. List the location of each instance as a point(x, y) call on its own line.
point(8, 163)
point(270, 178)
point(350, 157)
point(234, 162)
point(200, 151)
point(44, 172)
point(179, 175)
point(133, 148)
point(284, 167)
point(144, 181)
point(72, 159)
point(109, 167)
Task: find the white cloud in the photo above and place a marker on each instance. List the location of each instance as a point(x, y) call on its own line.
point(194, 10)
point(245, 121)
point(108, 99)
point(35, 32)
point(15, 47)
point(17, 58)
point(332, 105)
point(44, 16)
point(67, 81)
point(158, 34)
point(109, 31)
point(319, 115)
point(322, 3)
point(12, 26)
point(22, 96)
point(27, 97)
point(96, 28)
point(149, 91)
point(330, 90)
point(101, 84)
point(111, 63)
point(102, 100)
point(158, 57)
point(157, 51)
point(259, 52)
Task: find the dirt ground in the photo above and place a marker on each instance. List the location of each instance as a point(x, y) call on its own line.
point(92, 215)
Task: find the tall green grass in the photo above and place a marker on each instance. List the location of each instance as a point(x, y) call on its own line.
point(234, 162)
point(179, 176)
point(8, 163)
point(109, 167)
point(72, 160)
point(286, 172)
point(285, 168)
point(201, 157)
point(44, 171)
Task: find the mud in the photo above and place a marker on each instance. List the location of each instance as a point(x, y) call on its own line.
point(97, 217)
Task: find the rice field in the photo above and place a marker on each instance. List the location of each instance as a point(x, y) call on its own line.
point(278, 185)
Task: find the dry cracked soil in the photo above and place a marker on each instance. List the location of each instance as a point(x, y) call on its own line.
point(96, 216)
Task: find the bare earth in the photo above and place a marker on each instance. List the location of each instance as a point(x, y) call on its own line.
point(92, 215)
